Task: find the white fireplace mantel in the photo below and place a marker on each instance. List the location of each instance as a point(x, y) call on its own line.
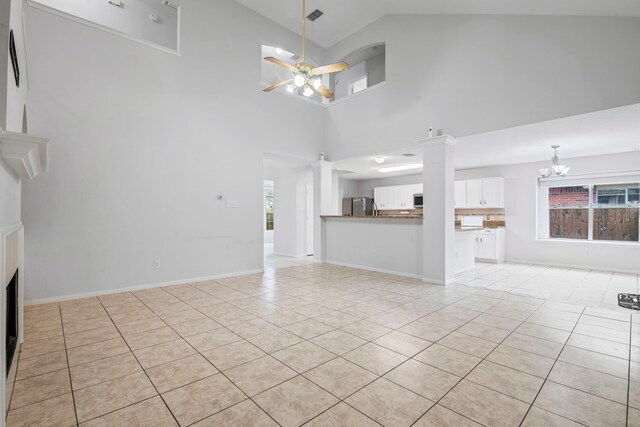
point(26, 156)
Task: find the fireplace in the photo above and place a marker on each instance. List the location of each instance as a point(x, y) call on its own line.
point(12, 320)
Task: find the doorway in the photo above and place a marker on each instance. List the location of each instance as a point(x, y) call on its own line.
point(309, 219)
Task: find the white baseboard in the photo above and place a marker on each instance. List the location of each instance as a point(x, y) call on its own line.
point(139, 287)
point(377, 270)
point(439, 282)
point(583, 267)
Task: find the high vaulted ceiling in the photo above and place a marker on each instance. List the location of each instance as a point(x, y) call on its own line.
point(344, 17)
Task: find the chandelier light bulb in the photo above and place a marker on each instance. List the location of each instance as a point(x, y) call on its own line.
point(279, 50)
point(290, 88)
point(299, 80)
point(316, 83)
point(307, 91)
point(379, 160)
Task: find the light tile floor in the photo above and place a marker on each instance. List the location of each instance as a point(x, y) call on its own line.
point(325, 345)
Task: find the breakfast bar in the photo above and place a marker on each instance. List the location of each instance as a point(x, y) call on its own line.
point(387, 243)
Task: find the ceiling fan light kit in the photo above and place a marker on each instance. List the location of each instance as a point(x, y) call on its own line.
point(306, 76)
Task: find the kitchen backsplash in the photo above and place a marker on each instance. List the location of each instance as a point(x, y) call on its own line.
point(490, 217)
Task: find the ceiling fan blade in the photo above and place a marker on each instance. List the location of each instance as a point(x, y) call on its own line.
point(325, 91)
point(277, 85)
point(333, 68)
point(281, 63)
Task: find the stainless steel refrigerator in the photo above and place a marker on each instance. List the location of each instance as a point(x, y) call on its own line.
point(357, 206)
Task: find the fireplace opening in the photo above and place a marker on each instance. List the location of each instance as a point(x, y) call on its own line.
point(12, 320)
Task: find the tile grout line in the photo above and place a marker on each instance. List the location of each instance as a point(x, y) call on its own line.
point(201, 355)
point(141, 367)
point(549, 373)
point(66, 352)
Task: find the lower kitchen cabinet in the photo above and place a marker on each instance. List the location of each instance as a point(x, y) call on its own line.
point(490, 245)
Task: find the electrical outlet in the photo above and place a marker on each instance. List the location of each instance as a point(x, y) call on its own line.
point(233, 204)
point(156, 264)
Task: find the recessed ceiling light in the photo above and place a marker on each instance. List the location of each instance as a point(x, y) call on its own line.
point(379, 159)
point(398, 168)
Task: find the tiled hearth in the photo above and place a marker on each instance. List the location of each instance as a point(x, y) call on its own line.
point(336, 346)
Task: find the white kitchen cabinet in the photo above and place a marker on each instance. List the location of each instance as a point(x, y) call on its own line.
point(474, 193)
point(378, 196)
point(397, 197)
point(460, 194)
point(484, 193)
point(490, 245)
point(493, 192)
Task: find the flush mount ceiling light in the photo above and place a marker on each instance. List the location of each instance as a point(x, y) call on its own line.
point(398, 168)
point(379, 160)
point(304, 74)
point(556, 168)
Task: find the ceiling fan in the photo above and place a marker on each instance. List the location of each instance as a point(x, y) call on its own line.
point(306, 76)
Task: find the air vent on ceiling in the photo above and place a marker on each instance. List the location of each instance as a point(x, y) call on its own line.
point(408, 155)
point(315, 15)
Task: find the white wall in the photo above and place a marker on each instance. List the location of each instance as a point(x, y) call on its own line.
point(143, 142)
point(349, 187)
point(520, 184)
point(131, 19)
point(467, 74)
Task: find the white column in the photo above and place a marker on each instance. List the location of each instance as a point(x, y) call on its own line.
point(322, 203)
point(438, 224)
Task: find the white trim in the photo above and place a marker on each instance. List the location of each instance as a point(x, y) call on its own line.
point(377, 270)
point(440, 282)
point(353, 95)
point(609, 243)
point(437, 140)
point(141, 287)
point(26, 156)
point(581, 267)
point(36, 5)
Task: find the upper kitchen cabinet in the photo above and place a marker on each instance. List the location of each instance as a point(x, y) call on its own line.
point(482, 193)
point(460, 194)
point(397, 197)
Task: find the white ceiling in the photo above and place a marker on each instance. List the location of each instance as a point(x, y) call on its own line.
point(344, 17)
point(603, 132)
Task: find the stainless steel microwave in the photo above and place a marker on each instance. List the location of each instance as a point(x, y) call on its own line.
point(417, 200)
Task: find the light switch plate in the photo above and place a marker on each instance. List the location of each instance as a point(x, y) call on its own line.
point(233, 204)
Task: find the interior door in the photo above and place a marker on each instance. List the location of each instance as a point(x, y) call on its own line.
point(474, 193)
point(309, 220)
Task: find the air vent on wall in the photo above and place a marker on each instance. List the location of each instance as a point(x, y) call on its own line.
point(315, 15)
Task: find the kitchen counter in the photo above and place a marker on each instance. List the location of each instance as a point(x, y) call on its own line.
point(463, 229)
point(408, 216)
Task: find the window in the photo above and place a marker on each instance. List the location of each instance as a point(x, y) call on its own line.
point(358, 85)
point(600, 212)
point(268, 207)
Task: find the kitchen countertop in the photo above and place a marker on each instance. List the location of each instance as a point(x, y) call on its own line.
point(408, 216)
point(463, 229)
